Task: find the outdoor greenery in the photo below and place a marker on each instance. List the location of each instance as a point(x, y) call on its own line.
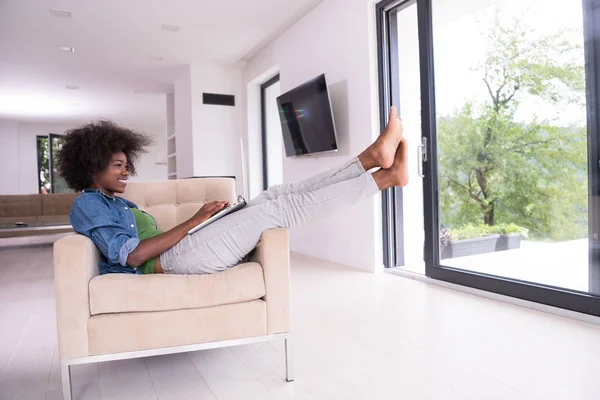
point(470, 232)
point(505, 229)
point(47, 178)
point(474, 231)
point(497, 169)
point(43, 165)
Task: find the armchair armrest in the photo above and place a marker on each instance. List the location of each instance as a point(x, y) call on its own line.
point(75, 264)
point(272, 252)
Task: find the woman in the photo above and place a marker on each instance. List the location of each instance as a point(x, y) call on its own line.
point(98, 158)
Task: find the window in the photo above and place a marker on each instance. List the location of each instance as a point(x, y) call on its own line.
point(49, 179)
point(272, 139)
point(512, 139)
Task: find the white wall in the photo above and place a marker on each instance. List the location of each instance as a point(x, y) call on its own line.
point(336, 38)
point(9, 147)
point(217, 129)
point(152, 165)
point(18, 154)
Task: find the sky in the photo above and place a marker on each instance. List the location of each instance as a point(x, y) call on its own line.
point(460, 45)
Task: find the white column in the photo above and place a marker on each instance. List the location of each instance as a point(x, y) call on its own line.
point(183, 125)
point(171, 138)
point(208, 136)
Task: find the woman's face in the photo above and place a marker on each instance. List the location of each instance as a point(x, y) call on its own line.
point(114, 177)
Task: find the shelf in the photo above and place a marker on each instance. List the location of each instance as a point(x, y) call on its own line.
point(172, 174)
point(171, 155)
point(171, 137)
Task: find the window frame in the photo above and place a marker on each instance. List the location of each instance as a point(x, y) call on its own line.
point(263, 128)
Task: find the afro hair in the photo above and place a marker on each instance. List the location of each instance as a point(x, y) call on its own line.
point(88, 149)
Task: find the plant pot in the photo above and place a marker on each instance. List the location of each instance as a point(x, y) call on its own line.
point(469, 247)
point(447, 251)
point(508, 241)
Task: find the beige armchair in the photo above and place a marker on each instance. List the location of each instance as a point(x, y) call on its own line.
point(121, 316)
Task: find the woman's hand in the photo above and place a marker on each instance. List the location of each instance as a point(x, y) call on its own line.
point(208, 210)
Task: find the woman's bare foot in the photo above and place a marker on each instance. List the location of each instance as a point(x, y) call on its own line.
point(397, 174)
point(381, 153)
point(400, 166)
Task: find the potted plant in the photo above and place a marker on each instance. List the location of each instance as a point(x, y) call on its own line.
point(470, 240)
point(445, 240)
point(510, 236)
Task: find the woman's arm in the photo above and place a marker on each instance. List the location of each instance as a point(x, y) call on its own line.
point(153, 247)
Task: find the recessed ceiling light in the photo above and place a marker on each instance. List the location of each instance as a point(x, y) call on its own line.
point(59, 13)
point(170, 28)
point(155, 58)
point(72, 87)
point(66, 49)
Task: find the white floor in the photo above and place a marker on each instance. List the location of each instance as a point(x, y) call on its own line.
point(358, 336)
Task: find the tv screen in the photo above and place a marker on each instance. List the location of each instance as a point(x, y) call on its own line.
point(306, 119)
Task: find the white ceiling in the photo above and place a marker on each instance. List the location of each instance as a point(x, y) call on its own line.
point(114, 43)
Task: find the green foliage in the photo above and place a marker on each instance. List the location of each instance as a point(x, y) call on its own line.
point(43, 164)
point(471, 231)
point(505, 229)
point(494, 169)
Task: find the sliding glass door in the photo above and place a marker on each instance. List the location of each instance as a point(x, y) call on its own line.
point(509, 125)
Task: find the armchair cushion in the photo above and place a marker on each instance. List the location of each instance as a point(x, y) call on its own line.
point(122, 293)
point(123, 332)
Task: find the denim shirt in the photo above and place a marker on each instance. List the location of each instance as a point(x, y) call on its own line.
point(111, 226)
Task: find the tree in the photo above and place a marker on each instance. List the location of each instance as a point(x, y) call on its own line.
point(495, 168)
point(43, 165)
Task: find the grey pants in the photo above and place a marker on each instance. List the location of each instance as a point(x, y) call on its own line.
point(225, 242)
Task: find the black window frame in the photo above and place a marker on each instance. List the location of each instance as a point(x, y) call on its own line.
point(263, 128)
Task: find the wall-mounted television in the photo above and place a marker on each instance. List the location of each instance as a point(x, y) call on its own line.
point(306, 119)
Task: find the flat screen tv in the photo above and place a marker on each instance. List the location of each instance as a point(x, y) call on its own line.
point(306, 119)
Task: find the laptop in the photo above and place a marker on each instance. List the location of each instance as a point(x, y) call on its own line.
point(228, 210)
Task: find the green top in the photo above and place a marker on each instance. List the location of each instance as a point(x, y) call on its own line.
point(146, 227)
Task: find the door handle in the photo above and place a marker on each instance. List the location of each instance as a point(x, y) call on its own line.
point(421, 156)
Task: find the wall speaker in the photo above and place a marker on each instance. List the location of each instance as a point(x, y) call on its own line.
point(218, 99)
